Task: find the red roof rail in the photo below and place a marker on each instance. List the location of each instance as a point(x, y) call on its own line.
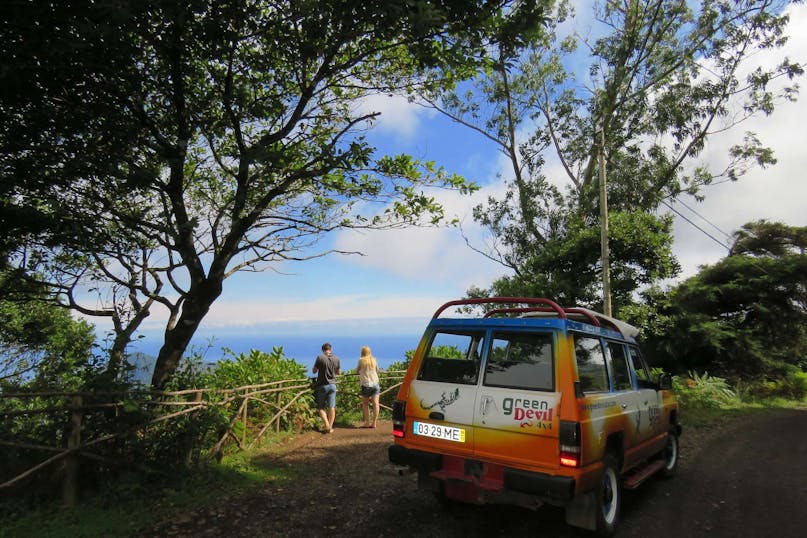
point(594, 320)
point(503, 300)
point(516, 310)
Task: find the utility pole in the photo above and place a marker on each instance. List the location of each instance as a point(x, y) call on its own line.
point(606, 268)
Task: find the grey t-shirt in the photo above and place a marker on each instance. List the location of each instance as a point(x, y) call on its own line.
point(327, 367)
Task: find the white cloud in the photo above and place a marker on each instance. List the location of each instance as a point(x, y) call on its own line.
point(399, 118)
point(364, 307)
point(431, 254)
point(348, 310)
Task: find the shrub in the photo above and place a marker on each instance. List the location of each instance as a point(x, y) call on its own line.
point(793, 386)
point(257, 367)
point(704, 391)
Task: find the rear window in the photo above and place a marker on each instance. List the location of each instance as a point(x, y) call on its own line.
point(618, 361)
point(521, 361)
point(590, 364)
point(453, 357)
point(643, 378)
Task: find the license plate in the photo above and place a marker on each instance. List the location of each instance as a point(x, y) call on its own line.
point(437, 431)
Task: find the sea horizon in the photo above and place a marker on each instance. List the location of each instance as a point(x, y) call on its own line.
point(387, 349)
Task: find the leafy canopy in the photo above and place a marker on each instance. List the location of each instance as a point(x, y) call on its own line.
point(646, 89)
point(158, 147)
point(746, 315)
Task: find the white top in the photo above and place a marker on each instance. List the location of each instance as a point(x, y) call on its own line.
point(367, 377)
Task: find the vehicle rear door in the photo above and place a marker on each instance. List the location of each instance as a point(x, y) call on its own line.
point(442, 398)
point(650, 400)
point(600, 408)
point(632, 405)
point(516, 415)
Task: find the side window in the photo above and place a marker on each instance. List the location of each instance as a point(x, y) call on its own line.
point(618, 361)
point(521, 361)
point(453, 357)
point(639, 367)
point(590, 364)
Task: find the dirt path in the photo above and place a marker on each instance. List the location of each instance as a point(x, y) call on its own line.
point(743, 478)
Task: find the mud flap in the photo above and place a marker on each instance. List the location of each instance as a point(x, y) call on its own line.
point(582, 511)
point(428, 483)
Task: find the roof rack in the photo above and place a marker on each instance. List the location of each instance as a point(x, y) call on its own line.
point(553, 306)
point(526, 310)
point(549, 307)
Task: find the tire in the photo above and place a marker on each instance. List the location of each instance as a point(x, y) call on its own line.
point(670, 455)
point(609, 496)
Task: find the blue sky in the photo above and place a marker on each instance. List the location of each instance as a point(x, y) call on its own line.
point(404, 275)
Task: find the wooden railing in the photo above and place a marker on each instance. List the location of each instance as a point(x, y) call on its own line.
point(270, 402)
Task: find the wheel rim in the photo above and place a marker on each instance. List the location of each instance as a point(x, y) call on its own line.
point(610, 493)
point(671, 452)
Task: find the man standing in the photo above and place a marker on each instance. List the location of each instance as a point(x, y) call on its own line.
point(326, 366)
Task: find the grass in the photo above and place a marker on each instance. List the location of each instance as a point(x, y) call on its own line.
point(130, 504)
point(695, 415)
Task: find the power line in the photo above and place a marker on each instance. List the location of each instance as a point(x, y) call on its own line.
point(713, 238)
point(710, 223)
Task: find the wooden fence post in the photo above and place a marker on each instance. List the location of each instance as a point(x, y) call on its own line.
point(190, 442)
point(70, 484)
point(279, 405)
point(244, 431)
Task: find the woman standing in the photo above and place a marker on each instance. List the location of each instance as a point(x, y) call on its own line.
point(370, 388)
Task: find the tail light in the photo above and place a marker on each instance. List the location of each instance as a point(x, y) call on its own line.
point(569, 443)
point(398, 418)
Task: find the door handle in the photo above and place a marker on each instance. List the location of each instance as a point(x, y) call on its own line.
point(485, 401)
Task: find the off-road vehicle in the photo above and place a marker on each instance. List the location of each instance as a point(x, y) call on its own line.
point(534, 403)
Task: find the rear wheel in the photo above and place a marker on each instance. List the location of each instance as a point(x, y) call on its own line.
point(670, 455)
point(609, 497)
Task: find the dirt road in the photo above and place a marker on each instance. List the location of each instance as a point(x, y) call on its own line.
point(744, 478)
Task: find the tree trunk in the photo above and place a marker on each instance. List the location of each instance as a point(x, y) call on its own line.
point(197, 304)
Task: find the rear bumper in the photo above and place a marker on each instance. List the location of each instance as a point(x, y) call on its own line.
point(417, 459)
point(545, 486)
point(556, 488)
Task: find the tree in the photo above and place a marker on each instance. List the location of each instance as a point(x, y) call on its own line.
point(746, 315)
point(41, 345)
point(662, 78)
point(236, 141)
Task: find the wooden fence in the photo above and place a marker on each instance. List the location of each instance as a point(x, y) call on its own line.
point(257, 409)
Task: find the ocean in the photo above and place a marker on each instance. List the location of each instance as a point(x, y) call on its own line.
point(302, 348)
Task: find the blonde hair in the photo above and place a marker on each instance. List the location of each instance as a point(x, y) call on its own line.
point(367, 361)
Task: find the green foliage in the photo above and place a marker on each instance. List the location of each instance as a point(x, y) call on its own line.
point(258, 367)
point(198, 139)
point(704, 391)
point(42, 347)
point(255, 367)
point(745, 317)
point(565, 269)
point(793, 386)
point(134, 503)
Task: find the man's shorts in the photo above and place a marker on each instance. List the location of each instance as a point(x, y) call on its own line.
point(326, 396)
point(370, 390)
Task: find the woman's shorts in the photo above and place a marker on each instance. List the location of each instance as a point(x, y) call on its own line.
point(370, 390)
point(326, 396)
